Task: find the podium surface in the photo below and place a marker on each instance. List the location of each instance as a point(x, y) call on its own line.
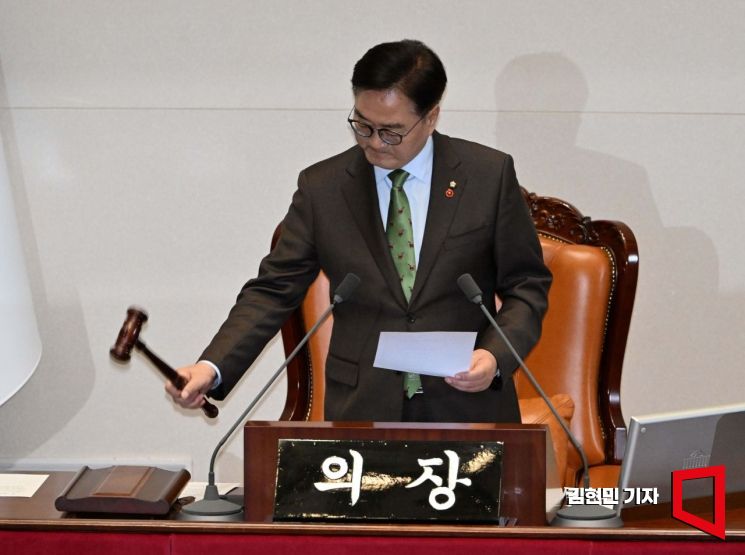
point(33, 525)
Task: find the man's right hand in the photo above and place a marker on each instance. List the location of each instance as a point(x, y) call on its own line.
point(199, 379)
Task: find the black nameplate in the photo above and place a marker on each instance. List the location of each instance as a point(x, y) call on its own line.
point(389, 480)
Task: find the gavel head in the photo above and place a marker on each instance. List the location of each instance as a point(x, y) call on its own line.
point(129, 334)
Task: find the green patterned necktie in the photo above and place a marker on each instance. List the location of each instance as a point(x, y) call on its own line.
point(400, 236)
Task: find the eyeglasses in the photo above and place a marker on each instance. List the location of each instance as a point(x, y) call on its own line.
point(386, 135)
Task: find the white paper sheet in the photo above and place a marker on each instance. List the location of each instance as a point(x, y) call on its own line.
point(196, 489)
point(434, 353)
point(21, 485)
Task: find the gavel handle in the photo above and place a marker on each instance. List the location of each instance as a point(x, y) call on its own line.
point(172, 376)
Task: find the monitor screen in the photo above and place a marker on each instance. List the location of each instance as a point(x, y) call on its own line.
point(659, 444)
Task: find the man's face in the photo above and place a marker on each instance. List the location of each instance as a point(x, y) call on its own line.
point(392, 110)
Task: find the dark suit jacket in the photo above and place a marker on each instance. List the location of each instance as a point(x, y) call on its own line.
point(334, 224)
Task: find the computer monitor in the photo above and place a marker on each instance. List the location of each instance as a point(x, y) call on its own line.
point(661, 443)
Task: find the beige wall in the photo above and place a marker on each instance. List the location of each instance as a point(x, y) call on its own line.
point(153, 146)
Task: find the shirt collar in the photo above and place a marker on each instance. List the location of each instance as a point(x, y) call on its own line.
point(420, 167)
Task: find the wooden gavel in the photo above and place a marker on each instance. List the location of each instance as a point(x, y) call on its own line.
point(129, 337)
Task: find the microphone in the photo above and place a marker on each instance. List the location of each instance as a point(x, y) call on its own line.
point(575, 516)
point(214, 507)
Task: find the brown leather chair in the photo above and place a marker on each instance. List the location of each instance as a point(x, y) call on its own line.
point(578, 359)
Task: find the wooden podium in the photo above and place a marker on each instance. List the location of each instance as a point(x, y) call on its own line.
point(528, 467)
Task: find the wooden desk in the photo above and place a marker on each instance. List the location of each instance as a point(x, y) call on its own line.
point(32, 525)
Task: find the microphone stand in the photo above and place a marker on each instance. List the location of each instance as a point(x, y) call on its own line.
point(574, 516)
point(213, 507)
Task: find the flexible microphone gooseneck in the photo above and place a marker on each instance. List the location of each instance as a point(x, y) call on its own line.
point(213, 507)
point(576, 516)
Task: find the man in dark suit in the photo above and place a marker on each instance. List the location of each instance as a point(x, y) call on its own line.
point(408, 210)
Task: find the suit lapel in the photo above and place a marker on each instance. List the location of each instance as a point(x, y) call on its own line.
point(361, 196)
point(446, 169)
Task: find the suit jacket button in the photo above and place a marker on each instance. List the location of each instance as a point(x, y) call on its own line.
point(410, 318)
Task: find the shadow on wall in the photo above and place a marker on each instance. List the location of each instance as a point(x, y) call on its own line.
point(64, 378)
point(680, 319)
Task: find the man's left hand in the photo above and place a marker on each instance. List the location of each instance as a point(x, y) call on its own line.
point(479, 376)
